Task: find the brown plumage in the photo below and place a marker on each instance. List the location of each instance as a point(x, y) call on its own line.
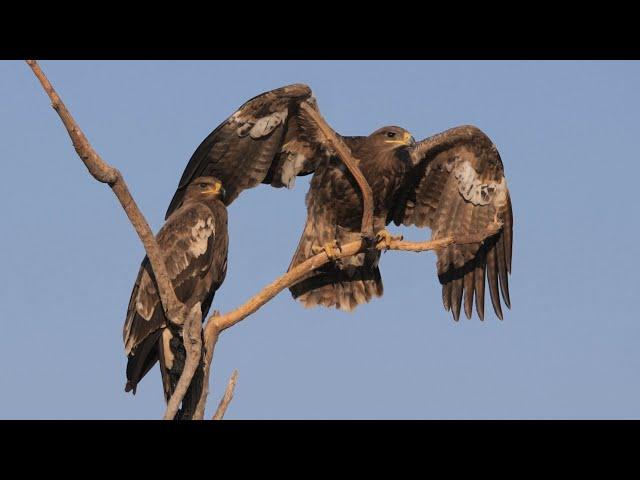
point(194, 243)
point(452, 183)
point(264, 141)
point(334, 214)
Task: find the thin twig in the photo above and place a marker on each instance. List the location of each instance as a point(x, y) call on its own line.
point(227, 397)
point(105, 173)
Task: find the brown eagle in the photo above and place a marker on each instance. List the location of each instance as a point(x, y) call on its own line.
point(452, 182)
point(194, 243)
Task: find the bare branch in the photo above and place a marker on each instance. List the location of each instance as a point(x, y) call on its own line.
point(105, 173)
point(211, 333)
point(192, 339)
point(351, 163)
point(228, 396)
point(223, 322)
point(218, 323)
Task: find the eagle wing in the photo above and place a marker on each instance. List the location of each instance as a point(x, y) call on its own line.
point(187, 243)
point(457, 188)
point(264, 141)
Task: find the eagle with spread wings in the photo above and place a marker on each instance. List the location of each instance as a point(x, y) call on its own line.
point(452, 183)
point(194, 244)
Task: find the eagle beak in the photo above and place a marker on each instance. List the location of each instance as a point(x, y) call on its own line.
point(217, 190)
point(407, 140)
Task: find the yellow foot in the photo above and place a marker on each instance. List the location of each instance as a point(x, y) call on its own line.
point(384, 238)
point(332, 249)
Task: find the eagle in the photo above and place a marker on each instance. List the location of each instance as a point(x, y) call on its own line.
point(194, 243)
point(452, 183)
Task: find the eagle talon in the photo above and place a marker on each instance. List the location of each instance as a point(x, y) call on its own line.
point(384, 239)
point(332, 249)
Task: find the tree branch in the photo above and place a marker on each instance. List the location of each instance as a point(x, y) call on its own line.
point(352, 165)
point(217, 323)
point(222, 322)
point(228, 396)
point(211, 334)
point(174, 310)
point(191, 336)
point(105, 173)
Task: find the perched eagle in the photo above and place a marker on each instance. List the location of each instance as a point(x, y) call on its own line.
point(452, 183)
point(194, 243)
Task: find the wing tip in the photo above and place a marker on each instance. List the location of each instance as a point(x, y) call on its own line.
point(130, 387)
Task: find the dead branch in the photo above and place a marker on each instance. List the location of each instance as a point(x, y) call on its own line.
point(352, 165)
point(191, 336)
point(228, 396)
point(174, 310)
point(210, 340)
point(223, 322)
point(105, 173)
point(217, 323)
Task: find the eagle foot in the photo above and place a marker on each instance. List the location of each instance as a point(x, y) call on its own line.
point(384, 239)
point(332, 249)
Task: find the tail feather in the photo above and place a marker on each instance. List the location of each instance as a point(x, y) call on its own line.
point(141, 361)
point(343, 289)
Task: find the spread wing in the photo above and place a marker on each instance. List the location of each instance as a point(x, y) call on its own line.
point(263, 142)
point(457, 188)
point(187, 241)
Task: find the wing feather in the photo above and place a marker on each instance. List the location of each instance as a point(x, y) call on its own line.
point(186, 241)
point(264, 141)
point(457, 188)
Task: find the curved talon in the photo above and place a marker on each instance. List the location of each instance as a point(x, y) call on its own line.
point(384, 238)
point(332, 249)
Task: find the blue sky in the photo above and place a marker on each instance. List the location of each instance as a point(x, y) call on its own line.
point(567, 133)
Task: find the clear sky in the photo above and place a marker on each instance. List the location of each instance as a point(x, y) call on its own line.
point(569, 348)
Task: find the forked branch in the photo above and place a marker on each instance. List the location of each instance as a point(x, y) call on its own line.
point(217, 323)
point(174, 310)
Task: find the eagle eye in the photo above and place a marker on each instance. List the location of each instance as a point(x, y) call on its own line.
point(203, 185)
point(391, 134)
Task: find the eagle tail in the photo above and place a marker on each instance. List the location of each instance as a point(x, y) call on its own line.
point(342, 288)
point(141, 361)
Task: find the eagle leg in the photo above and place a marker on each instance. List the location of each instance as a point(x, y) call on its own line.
point(384, 238)
point(332, 249)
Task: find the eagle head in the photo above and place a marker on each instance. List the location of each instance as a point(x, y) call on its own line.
point(392, 137)
point(203, 188)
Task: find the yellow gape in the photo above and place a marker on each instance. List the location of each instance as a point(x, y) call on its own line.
point(406, 139)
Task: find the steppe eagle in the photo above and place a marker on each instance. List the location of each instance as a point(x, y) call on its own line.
point(452, 182)
point(194, 243)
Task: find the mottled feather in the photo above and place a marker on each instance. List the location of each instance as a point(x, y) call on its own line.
point(457, 188)
point(262, 142)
